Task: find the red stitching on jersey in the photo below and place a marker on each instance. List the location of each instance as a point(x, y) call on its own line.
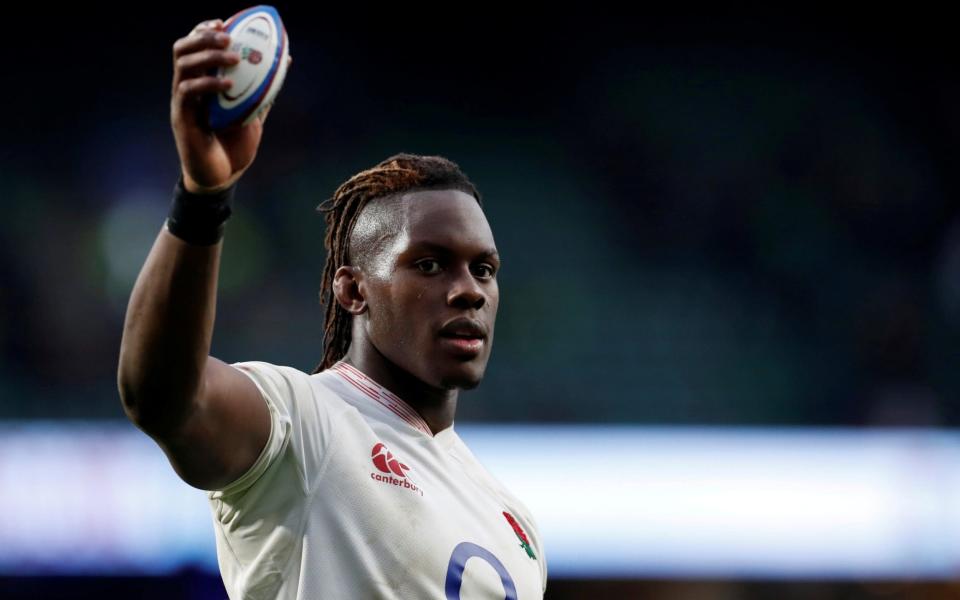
point(400, 404)
point(373, 393)
point(346, 372)
point(366, 378)
point(360, 378)
point(354, 383)
point(386, 392)
point(402, 408)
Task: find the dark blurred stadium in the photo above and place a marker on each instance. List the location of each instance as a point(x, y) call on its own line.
point(704, 219)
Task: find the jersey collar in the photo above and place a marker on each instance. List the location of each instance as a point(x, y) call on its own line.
point(381, 395)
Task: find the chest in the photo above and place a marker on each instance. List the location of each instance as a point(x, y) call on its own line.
point(424, 509)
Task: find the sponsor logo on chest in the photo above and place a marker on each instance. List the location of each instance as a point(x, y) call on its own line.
point(391, 470)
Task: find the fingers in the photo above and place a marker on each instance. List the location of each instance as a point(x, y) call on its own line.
point(195, 55)
point(208, 24)
point(199, 86)
point(200, 62)
point(208, 34)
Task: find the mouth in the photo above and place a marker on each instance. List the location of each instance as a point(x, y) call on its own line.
point(464, 337)
point(468, 346)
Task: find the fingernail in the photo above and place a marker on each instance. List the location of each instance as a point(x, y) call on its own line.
point(222, 37)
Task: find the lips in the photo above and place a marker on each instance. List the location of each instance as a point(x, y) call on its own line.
point(464, 337)
point(463, 347)
point(464, 328)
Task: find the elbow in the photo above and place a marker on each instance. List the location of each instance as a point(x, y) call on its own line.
point(128, 380)
point(128, 395)
point(157, 405)
point(159, 388)
point(132, 398)
point(132, 385)
point(125, 388)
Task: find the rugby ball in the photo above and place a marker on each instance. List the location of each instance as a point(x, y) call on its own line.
point(258, 35)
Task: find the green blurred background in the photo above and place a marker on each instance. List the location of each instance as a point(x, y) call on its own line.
point(704, 219)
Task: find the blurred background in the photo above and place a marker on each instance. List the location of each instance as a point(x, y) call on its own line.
point(717, 224)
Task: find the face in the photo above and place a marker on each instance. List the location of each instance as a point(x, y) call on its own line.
point(437, 264)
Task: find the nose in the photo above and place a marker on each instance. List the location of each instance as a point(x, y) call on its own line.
point(465, 291)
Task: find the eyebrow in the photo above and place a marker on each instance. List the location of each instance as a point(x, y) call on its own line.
point(441, 249)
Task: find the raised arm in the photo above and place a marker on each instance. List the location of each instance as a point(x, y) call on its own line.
point(207, 416)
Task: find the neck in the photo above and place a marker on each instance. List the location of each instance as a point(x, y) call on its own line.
point(435, 405)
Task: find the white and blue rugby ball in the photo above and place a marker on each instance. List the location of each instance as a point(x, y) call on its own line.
point(258, 35)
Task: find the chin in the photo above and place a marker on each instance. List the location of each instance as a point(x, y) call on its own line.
point(465, 379)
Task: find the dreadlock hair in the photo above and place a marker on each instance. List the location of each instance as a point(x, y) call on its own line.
point(400, 174)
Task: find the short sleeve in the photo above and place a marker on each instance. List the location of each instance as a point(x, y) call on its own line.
point(259, 518)
point(299, 427)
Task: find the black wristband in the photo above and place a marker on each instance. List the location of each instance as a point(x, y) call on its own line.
point(199, 218)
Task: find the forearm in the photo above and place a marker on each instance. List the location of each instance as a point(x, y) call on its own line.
point(167, 332)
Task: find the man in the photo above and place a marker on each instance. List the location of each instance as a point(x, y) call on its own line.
point(349, 482)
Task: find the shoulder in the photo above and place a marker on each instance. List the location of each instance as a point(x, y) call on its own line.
point(289, 386)
point(307, 401)
point(305, 414)
point(272, 374)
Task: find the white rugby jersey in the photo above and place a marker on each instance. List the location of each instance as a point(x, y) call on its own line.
point(353, 497)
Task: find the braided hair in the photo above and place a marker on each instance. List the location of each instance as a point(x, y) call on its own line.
point(401, 173)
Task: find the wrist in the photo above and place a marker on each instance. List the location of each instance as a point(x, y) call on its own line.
point(199, 218)
point(192, 187)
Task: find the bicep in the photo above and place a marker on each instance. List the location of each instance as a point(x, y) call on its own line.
point(225, 432)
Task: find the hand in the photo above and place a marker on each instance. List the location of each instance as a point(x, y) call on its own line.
point(210, 160)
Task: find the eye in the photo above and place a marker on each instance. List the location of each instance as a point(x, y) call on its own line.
point(486, 271)
point(429, 262)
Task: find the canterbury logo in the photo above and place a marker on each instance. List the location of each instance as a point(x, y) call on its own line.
point(384, 460)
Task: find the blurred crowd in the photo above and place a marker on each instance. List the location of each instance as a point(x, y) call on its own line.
point(720, 232)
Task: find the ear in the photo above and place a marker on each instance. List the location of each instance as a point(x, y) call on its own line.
point(346, 289)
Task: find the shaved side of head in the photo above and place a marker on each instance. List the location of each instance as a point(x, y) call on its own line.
point(378, 227)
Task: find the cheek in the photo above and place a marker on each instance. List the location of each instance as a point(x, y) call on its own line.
point(494, 298)
point(381, 314)
point(406, 314)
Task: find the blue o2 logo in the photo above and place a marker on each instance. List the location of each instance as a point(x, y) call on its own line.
point(458, 560)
